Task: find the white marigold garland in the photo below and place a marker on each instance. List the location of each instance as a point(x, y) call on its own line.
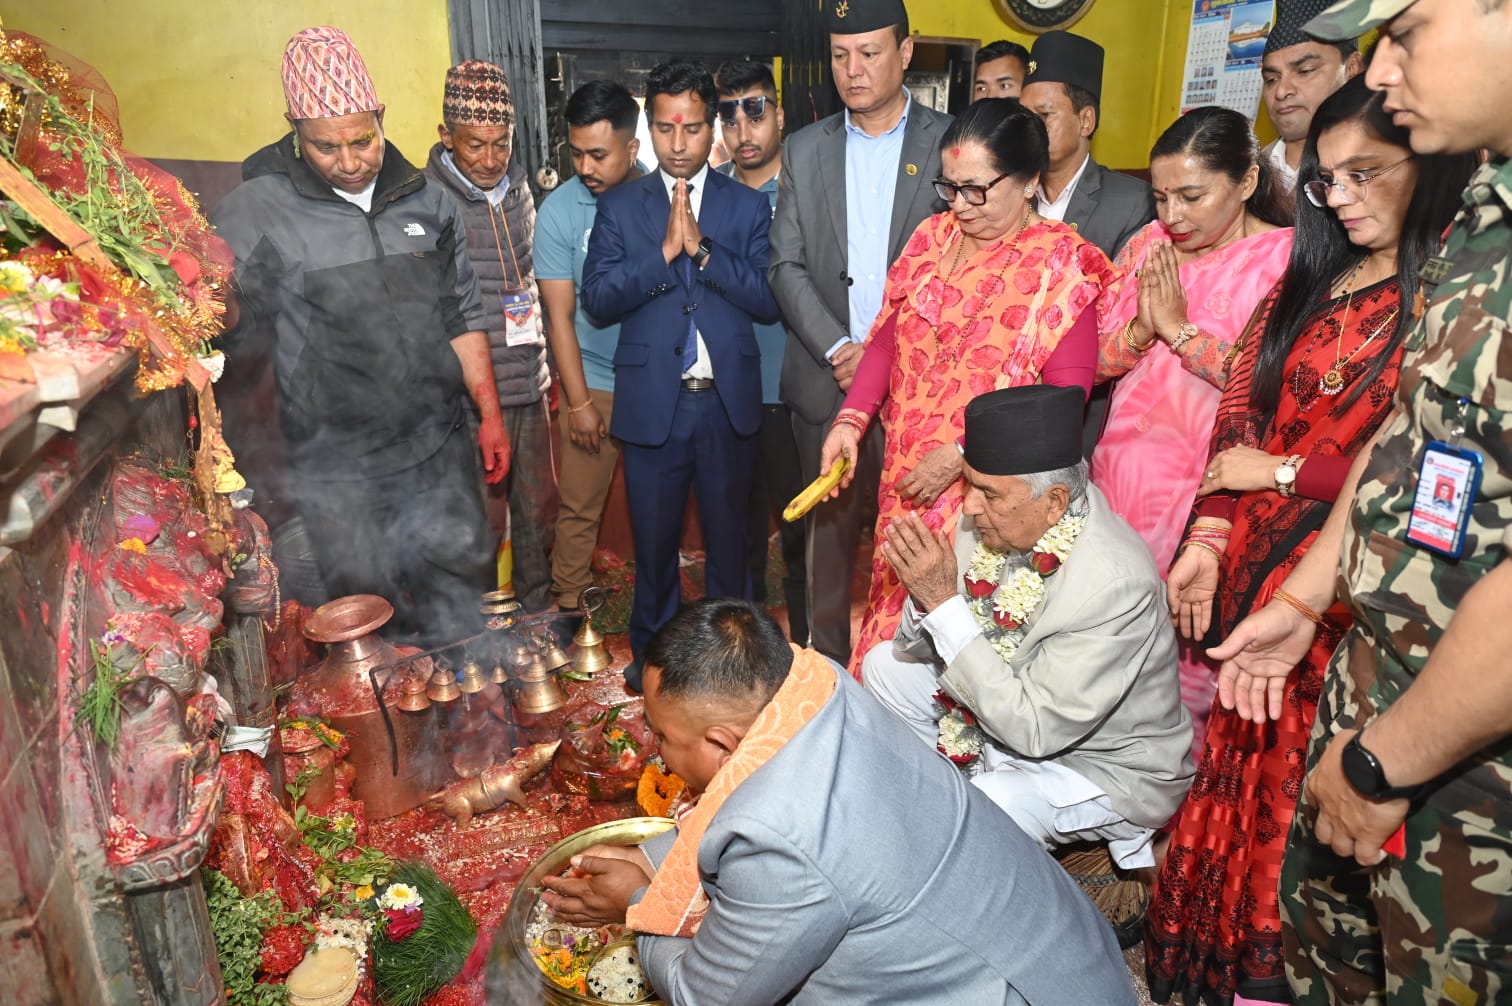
point(1002, 609)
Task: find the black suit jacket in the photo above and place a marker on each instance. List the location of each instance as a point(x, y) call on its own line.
point(1107, 207)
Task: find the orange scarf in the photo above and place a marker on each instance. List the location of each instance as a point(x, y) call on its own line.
point(675, 903)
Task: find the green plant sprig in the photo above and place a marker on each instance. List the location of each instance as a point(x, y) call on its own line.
point(238, 924)
point(100, 704)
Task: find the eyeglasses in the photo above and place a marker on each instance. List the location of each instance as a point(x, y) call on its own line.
point(975, 195)
point(1350, 185)
point(754, 108)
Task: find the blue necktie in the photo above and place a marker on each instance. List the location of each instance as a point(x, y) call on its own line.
point(690, 344)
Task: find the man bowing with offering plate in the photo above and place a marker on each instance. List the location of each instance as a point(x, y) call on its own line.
point(1037, 654)
point(826, 857)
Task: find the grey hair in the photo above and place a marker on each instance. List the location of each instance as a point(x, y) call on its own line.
point(1074, 478)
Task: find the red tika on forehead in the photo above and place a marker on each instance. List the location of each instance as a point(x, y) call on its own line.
point(677, 118)
point(955, 151)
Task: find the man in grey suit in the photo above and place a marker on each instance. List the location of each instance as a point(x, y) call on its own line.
point(832, 859)
point(853, 188)
point(1049, 669)
point(1064, 88)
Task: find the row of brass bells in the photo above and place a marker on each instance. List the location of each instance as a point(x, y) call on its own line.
point(589, 653)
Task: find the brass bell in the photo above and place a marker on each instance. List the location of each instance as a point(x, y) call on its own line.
point(412, 699)
point(589, 655)
point(473, 680)
point(552, 654)
point(530, 666)
point(498, 675)
point(541, 693)
point(443, 686)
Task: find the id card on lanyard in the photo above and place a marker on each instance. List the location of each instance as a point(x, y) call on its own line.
point(519, 307)
point(1448, 481)
point(519, 319)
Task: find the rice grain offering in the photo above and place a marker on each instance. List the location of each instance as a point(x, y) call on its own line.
point(616, 976)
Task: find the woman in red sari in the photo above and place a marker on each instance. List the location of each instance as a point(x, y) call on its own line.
point(1310, 382)
point(986, 295)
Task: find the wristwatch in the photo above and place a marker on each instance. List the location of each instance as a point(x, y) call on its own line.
point(1184, 334)
point(1286, 475)
point(705, 249)
point(1365, 774)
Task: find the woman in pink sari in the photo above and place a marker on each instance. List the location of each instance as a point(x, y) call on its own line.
point(1190, 282)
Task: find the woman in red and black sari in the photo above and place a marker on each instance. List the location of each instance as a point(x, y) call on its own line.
point(1309, 384)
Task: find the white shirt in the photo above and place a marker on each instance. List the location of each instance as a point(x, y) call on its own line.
point(1286, 175)
point(704, 368)
point(363, 199)
point(1056, 210)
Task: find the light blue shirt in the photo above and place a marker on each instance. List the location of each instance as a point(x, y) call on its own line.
point(563, 224)
point(771, 339)
point(871, 177)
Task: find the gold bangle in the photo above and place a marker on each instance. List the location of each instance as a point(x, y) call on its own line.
point(573, 410)
point(1300, 607)
point(1206, 525)
point(1204, 545)
point(1128, 336)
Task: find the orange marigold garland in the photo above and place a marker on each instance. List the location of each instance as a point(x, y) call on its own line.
point(657, 792)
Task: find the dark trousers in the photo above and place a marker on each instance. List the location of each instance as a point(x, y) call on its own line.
point(417, 538)
point(703, 454)
point(834, 534)
point(778, 479)
point(529, 496)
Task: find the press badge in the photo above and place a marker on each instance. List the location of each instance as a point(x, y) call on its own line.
point(519, 320)
point(1448, 480)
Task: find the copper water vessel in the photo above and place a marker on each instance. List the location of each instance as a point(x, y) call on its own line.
point(394, 773)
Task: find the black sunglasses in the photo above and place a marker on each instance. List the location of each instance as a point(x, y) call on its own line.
point(754, 108)
point(975, 195)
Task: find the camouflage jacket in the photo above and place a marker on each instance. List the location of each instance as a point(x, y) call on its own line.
point(1404, 596)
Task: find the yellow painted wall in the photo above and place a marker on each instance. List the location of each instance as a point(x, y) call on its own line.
point(198, 79)
point(1145, 42)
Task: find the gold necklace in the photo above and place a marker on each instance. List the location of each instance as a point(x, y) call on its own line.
point(955, 263)
point(1333, 381)
point(949, 355)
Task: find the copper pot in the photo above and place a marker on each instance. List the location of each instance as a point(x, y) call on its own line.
point(392, 776)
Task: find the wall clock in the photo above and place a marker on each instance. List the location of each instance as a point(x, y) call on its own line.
point(1042, 15)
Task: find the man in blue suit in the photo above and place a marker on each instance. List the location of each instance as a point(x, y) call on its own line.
point(679, 257)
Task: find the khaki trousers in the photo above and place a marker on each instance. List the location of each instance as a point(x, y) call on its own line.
point(583, 488)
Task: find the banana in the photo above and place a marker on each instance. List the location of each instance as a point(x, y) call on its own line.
point(816, 491)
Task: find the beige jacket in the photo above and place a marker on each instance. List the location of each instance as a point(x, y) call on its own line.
point(1093, 685)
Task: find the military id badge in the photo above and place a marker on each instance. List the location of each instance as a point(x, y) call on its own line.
point(519, 320)
point(1448, 480)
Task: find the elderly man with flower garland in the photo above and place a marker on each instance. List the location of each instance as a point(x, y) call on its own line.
point(1048, 670)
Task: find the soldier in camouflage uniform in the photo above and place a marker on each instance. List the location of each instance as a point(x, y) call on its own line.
point(1421, 687)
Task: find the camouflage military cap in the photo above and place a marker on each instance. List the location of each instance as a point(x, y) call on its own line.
point(1353, 18)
